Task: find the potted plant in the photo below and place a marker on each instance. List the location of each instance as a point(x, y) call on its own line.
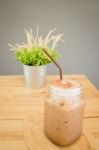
point(33, 58)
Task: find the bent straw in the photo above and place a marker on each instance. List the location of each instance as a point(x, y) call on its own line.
point(57, 65)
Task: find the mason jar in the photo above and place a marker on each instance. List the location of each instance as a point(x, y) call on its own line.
point(63, 112)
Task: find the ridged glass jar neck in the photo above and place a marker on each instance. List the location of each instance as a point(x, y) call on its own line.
point(71, 91)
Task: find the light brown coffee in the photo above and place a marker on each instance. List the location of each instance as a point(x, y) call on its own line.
point(63, 119)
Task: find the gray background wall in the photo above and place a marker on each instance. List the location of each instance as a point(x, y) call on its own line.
point(77, 19)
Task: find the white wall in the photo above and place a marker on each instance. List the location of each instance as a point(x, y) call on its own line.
point(77, 19)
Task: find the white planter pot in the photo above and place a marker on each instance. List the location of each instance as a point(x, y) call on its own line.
point(35, 76)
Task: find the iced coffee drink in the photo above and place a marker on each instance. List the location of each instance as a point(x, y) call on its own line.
point(63, 112)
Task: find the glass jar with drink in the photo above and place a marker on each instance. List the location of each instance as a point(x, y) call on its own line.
point(63, 112)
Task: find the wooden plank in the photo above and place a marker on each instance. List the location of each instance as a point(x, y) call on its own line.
point(16, 100)
point(34, 134)
point(91, 130)
point(13, 145)
point(12, 135)
point(11, 130)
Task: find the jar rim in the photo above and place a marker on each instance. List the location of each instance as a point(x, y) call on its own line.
point(76, 84)
point(73, 90)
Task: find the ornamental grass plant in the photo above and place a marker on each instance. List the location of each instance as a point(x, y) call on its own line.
point(31, 53)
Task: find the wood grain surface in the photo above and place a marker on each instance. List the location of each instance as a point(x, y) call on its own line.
point(16, 102)
point(34, 134)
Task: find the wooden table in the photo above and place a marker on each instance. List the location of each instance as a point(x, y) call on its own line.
point(16, 101)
